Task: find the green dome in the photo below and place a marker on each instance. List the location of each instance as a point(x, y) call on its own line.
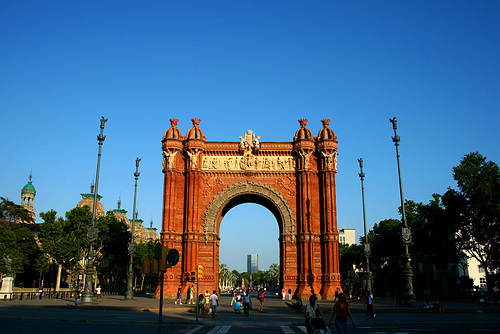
point(29, 189)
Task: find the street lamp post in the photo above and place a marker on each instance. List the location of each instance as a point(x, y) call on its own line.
point(131, 247)
point(409, 298)
point(92, 232)
point(367, 245)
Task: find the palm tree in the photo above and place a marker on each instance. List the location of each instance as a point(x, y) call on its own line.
point(224, 276)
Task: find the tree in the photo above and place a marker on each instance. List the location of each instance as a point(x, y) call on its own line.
point(143, 250)
point(17, 243)
point(64, 239)
point(224, 276)
point(112, 250)
point(386, 255)
point(11, 212)
point(475, 207)
point(351, 257)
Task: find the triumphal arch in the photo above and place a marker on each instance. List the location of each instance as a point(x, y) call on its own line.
point(294, 180)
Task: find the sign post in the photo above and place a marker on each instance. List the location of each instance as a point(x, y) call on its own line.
point(165, 258)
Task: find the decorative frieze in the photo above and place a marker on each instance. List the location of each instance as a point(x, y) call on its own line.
point(248, 162)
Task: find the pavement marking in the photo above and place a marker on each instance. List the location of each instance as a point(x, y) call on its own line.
point(194, 330)
point(219, 330)
point(287, 330)
point(302, 328)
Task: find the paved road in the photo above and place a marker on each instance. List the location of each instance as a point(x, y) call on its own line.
point(50, 327)
point(140, 316)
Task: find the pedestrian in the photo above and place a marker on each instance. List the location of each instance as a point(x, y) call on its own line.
point(314, 316)
point(247, 303)
point(76, 295)
point(233, 296)
point(214, 299)
point(201, 305)
point(207, 302)
point(98, 292)
point(261, 300)
point(290, 294)
point(40, 290)
point(179, 296)
point(369, 305)
point(283, 293)
point(191, 295)
point(340, 312)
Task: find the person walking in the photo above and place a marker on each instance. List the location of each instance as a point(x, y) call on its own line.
point(233, 296)
point(207, 301)
point(369, 306)
point(340, 312)
point(290, 294)
point(191, 295)
point(314, 316)
point(261, 300)
point(179, 296)
point(214, 300)
point(283, 293)
point(98, 292)
point(247, 302)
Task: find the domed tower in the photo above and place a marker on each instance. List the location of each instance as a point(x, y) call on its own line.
point(28, 197)
point(88, 200)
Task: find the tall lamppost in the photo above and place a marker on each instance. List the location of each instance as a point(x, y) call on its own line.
point(92, 232)
point(131, 246)
point(367, 245)
point(409, 298)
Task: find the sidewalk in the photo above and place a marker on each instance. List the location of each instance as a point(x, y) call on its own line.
point(276, 311)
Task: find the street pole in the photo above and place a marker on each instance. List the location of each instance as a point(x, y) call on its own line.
point(92, 232)
point(367, 245)
point(131, 246)
point(409, 298)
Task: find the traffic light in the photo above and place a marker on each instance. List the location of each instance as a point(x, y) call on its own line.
point(199, 271)
point(186, 277)
point(193, 276)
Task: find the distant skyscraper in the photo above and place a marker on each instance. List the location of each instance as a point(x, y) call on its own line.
point(252, 263)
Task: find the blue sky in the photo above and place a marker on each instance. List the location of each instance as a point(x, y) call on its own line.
point(240, 65)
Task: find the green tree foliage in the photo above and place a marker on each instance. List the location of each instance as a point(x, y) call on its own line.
point(145, 250)
point(351, 258)
point(18, 243)
point(475, 208)
point(64, 240)
point(386, 254)
point(112, 245)
point(433, 247)
point(10, 212)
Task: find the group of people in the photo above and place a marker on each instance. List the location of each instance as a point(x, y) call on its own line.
point(207, 303)
point(240, 298)
point(283, 293)
point(340, 312)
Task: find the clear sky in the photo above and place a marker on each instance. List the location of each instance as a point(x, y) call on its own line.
point(239, 65)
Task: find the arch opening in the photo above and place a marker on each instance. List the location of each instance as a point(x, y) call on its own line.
point(248, 228)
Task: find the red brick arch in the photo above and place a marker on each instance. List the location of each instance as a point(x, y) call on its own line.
point(294, 180)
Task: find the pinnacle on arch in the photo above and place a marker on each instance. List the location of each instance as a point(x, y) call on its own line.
point(195, 132)
point(326, 133)
point(173, 132)
point(303, 133)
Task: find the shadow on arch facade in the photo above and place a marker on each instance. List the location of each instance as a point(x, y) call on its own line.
point(294, 180)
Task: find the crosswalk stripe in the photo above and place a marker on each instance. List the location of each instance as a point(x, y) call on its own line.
point(219, 330)
point(287, 330)
point(302, 328)
point(194, 330)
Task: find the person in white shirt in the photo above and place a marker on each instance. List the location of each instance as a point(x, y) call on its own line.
point(214, 299)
